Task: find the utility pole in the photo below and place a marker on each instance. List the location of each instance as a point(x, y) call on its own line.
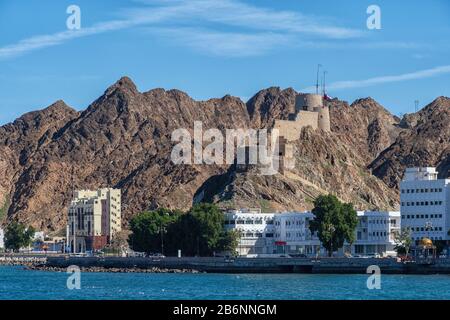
point(324, 82)
point(162, 239)
point(317, 79)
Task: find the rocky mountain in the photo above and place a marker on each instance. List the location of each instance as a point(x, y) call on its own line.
point(123, 139)
point(424, 142)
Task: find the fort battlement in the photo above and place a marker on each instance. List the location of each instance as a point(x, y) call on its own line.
point(309, 111)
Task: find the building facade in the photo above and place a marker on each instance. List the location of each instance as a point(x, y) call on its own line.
point(425, 204)
point(288, 233)
point(256, 229)
point(94, 219)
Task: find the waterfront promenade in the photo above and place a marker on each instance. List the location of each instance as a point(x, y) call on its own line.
point(259, 265)
point(231, 265)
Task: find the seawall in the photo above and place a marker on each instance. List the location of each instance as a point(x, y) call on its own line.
point(256, 265)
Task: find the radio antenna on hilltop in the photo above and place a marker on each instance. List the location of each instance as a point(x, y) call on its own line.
point(317, 79)
point(324, 83)
point(416, 105)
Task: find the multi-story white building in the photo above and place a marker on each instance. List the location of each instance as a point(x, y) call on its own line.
point(375, 232)
point(256, 229)
point(425, 204)
point(292, 234)
point(94, 219)
point(288, 233)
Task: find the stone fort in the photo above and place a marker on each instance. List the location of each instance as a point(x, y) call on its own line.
point(309, 111)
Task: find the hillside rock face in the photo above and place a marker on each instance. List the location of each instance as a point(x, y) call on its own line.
point(123, 140)
point(426, 142)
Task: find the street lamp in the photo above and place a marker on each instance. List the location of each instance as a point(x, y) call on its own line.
point(428, 227)
point(162, 238)
point(331, 229)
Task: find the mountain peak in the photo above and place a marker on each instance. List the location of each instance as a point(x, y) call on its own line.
point(59, 105)
point(124, 84)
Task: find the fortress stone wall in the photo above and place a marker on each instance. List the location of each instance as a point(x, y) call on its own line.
point(291, 129)
point(309, 111)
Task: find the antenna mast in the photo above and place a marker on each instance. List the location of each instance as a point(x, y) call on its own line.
point(416, 105)
point(317, 79)
point(324, 82)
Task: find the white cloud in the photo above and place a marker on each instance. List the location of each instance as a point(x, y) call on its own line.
point(229, 44)
point(43, 41)
point(259, 23)
point(421, 74)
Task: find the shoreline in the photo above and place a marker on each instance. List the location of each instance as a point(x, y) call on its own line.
point(222, 265)
point(110, 270)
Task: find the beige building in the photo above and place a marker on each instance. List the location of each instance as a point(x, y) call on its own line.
point(94, 219)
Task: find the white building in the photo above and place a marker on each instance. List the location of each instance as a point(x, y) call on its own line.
point(288, 233)
point(94, 219)
point(292, 234)
point(256, 228)
point(425, 204)
point(375, 232)
point(2, 239)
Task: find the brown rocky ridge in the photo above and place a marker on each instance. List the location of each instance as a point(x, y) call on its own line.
point(123, 140)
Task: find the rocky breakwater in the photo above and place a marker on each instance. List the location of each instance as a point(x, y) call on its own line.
point(43, 267)
point(29, 261)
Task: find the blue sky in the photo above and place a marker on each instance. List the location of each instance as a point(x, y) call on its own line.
point(212, 48)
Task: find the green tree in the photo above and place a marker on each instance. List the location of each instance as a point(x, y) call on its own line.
point(403, 241)
point(17, 236)
point(201, 232)
point(149, 229)
point(230, 241)
point(335, 222)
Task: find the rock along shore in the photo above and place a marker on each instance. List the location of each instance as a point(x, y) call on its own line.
point(42, 267)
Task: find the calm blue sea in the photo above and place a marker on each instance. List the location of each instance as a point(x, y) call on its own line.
point(17, 283)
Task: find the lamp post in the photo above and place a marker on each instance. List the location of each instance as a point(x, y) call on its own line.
point(428, 227)
point(162, 238)
point(331, 229)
